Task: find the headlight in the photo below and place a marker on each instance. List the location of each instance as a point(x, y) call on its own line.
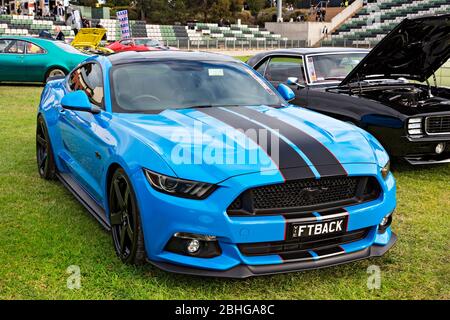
point(415, 126)
point(386, 169)
point(179, 187)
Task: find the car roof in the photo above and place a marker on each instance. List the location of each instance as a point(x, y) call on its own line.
point(306, 51)
point(32, 39)
point(134, 56)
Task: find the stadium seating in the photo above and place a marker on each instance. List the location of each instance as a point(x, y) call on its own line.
point(375, 20)
point(173, 35)
point(28, 25)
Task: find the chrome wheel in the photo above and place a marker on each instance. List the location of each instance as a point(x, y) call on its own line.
point(55, 73)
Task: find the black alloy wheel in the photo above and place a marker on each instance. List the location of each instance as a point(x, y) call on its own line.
point(125, 221)
point(44, 154)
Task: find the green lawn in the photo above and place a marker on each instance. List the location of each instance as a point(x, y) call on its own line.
point(43, 230)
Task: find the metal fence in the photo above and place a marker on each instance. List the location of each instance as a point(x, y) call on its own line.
point(234, 44)
point(251, 44)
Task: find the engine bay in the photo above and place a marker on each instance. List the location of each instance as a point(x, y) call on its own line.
point(410, 96)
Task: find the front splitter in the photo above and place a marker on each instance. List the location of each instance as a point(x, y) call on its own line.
point(245, 271)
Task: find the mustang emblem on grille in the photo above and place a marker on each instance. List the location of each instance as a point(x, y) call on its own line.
point(312, 192)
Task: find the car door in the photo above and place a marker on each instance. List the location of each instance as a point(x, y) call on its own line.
point(34, 61)
point(12, 52)
point(277, 69)
point(85, 135)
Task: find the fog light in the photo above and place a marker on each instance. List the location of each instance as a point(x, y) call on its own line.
point(385, 223)
point(193, 246)
point(196, 245)
point(440, 147)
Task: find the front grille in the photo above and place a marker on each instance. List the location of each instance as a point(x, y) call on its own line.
point(291, 246)
point(305, 195)
point(437, 125)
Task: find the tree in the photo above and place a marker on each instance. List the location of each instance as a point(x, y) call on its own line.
point(220, 9)
point(256, 6)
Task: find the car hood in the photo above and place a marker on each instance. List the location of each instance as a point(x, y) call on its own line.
point(88, 37)
point(213, 144)
point(414, 49)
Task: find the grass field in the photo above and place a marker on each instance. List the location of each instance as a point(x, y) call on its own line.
point(43, 230)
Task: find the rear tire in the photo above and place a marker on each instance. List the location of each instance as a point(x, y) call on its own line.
point(44, 154)
point(126, 228)
point(54, 72)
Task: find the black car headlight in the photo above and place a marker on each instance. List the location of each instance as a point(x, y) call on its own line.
point(386, 169)
point(179, 187)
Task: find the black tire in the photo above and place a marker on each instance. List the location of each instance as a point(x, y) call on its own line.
point(126, 228)
point(54, 72)
point(44, 154)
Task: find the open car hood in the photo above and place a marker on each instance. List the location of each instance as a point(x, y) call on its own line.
point(414, 49)
point(88, 37)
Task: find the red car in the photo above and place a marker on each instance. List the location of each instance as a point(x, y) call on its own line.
point(138, 44)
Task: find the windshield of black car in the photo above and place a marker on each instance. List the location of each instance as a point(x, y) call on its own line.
point(332, 67)
point(176, 84)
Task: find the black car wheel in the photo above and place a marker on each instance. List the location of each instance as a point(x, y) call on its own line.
point(44, 154)
point(125, 220)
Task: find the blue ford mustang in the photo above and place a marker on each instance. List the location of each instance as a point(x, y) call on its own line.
point(198, 165)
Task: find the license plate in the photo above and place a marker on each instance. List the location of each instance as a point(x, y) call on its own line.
point(316, 229)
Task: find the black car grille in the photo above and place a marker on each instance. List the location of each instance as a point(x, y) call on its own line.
point(296, 246)
point(305, 195)
point(437, 125)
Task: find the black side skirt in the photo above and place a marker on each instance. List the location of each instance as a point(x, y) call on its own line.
point(85, 199)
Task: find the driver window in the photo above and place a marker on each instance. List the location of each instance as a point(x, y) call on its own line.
point(89, 79)
point(281, 68)
point(15, 47)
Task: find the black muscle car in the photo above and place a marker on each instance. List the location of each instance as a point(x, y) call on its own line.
point(385, 91)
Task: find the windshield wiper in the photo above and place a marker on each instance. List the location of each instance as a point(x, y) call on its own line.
point(199, 107)
point(335, 78)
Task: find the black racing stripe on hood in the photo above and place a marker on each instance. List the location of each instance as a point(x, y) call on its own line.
point(324, 161)
point(288, 157)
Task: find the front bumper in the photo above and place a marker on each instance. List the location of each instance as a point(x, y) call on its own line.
point(246, 271)
point(163, 215)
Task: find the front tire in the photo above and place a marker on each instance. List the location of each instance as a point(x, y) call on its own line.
point(126, 229)
point(44, 154)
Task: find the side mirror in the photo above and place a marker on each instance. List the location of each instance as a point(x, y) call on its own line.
point(79, 101)
point(286, 92)
point(294, 82)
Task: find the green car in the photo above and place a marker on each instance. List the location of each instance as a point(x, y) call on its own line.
point(27, 59)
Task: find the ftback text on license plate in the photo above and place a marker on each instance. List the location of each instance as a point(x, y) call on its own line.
point(319, 228)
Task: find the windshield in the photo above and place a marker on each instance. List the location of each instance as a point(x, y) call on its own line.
point(66, 47)
point(153, 86)
point(147, 42)
point(332, 67)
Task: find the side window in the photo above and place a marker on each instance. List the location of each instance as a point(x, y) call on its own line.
point(13, 46)
point(4, 44)
point(34, 49)
point(262, 67)
point(89, 79)
point(281, 68)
